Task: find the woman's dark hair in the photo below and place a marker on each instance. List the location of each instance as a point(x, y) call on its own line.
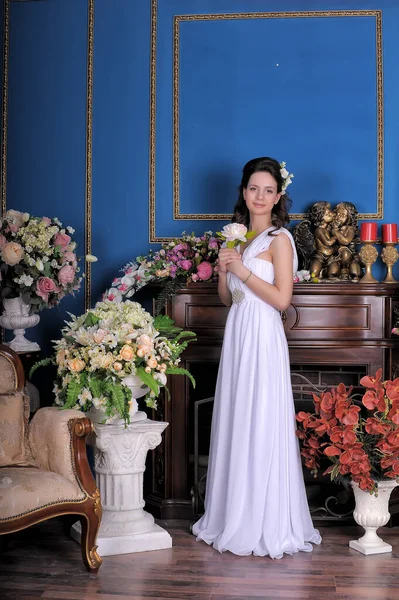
point(280, 216)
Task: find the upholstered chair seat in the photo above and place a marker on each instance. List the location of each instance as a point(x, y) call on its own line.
point(26, 490)
point(44, 471)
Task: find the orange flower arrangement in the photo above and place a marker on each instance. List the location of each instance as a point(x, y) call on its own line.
point(363, 448)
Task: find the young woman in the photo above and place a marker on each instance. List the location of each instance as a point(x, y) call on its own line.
point(255, 496)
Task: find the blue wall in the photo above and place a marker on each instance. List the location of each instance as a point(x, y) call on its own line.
point(316, 110)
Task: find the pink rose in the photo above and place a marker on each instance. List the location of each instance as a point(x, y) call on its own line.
point(62, 239)
point(3, 241)
point(186, 264)
point(205, 271)
point(194, 277)
point(46, 286)
point(47, 221)
point(69, 256)
point(213, 243)
point(66, 275)
point(12, 253)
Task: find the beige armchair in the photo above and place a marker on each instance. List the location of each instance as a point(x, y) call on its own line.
point(44, 471)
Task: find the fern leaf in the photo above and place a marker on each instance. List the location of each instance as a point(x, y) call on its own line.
point(95, 388)
point(185, 333)
point(41, 363)
point(148, 380)
point(118, 398)
point(180, 371)
point(73, 390)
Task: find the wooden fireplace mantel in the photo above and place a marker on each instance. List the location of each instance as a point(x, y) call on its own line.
point(326, 324)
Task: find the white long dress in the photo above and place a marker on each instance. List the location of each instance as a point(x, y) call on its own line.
point(255, 495)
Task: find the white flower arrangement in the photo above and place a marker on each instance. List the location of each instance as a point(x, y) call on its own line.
point(287, 177)
point(100, 349)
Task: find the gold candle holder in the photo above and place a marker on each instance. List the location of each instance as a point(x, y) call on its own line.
point(389, 256)
point(368, 255)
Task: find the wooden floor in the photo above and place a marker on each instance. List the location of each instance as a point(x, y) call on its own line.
point(43, 562)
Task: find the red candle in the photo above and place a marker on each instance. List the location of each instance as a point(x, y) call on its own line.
point(389, 233)
point(368, 232)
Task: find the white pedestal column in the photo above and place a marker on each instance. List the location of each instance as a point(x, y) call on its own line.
point(119, 461)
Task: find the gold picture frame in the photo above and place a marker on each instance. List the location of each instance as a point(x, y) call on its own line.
point(177, 215)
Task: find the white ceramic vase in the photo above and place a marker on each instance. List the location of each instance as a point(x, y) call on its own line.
point(371, 512)
point(16, 316)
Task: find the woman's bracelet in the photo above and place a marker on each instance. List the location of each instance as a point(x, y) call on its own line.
point(249, 275)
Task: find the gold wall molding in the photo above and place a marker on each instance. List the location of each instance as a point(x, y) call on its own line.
point(89, 128)
point(177, 215)
point(153, 94)
point(89, 150)
point(4, 112)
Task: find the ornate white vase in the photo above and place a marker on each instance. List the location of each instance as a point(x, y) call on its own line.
point(372, 512)
point(16, 316)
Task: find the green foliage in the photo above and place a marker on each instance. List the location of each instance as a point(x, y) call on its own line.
point(148, 380)
point(96, 387)
point(166, 326)
point(73, 390)
point(118, 399)
point(184, 333)
point(41, 363)
point(91, 320)
point(180, 371)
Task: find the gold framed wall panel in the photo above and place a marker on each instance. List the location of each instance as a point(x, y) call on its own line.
point(177, 215)
point(89, 122)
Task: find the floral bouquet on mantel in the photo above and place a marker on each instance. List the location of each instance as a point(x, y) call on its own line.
point(177, 263)
point(38, 260)
point(108, 349)
point(180, 262)
point(364, 449)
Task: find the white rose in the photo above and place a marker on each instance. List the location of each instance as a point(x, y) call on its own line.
point(234, 231)
point(15, 217)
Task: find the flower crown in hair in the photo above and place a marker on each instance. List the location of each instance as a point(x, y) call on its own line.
point(287, 177)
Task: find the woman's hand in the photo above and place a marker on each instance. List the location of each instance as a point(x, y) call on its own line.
point(227, 256)
point(237, 267)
